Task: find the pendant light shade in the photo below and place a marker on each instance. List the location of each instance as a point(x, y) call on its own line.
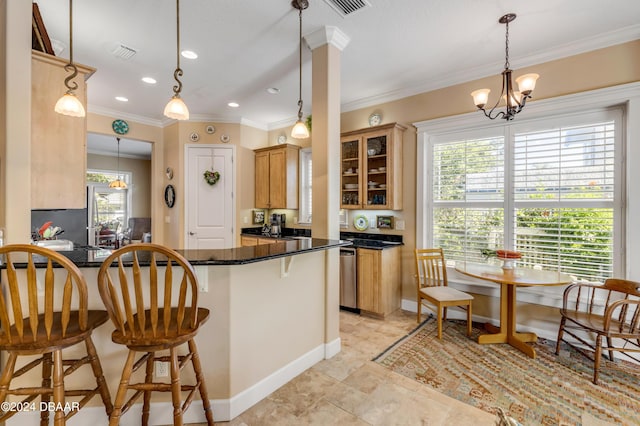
point(176, 108)
point(69, 104)
point(300, 130)
point(118, 183)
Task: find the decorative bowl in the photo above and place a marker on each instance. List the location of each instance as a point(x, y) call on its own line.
point(371, 151)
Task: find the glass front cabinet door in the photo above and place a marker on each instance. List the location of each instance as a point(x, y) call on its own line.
point(371, 168)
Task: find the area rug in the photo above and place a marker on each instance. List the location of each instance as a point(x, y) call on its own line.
point(548, 390)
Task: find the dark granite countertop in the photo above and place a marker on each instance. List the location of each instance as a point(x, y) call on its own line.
point(372, 241)
point(91, 258)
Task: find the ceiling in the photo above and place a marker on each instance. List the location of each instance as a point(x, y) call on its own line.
point(397, 48)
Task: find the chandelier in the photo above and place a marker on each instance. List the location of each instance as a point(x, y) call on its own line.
point(515, 100)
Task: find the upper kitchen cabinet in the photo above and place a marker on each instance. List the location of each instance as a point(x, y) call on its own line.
point(58, 142)
point(371, 169)
point(277, 177)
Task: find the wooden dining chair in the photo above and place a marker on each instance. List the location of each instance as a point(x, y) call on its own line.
point(154, 309)
point(432, 286)
point(37, 318)
point(609, 311)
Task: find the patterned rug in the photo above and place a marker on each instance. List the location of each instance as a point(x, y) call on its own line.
point(548, 390)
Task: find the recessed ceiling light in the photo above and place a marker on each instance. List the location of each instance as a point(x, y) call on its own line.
point(273, 90)
point(233, 104)
point(149, 80)
point(189, 54)
point(122, 99)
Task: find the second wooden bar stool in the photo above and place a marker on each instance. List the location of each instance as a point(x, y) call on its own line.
point(154, 309)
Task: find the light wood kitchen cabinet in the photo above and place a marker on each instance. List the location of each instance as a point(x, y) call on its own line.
point(58, 142)
point(248, 241)
point(256, 241)
point(379, 280)
point(371, 169)
point(277, 177)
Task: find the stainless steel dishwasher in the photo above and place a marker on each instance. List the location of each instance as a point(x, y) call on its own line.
point(348, 279)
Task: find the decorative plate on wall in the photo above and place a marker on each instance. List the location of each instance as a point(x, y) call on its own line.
point(360, 222)
point(170, 196)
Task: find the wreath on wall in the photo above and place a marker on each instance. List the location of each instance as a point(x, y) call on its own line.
point(211, 177)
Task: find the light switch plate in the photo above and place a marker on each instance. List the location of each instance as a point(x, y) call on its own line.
point(373, 223)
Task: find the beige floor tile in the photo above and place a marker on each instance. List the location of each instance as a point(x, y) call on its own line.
point(350, 389)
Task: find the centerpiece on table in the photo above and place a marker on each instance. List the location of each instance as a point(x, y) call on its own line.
point(508, 257)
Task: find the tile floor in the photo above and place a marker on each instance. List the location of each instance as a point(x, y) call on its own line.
point(350, 389)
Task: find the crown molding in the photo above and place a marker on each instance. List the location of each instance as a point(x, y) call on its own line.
point(589, 44)
point(94, 109)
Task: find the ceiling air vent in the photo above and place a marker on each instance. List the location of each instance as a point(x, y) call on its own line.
point(347, 7)
point(123, 52)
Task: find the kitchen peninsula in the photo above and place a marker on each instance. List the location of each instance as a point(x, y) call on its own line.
point(267, 325)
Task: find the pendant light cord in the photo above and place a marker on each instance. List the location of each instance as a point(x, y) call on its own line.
point(118, 175)
point(300, 69)
point(178, 72)
point(71, 67)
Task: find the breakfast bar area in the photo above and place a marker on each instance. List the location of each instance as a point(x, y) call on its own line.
point(268, 312)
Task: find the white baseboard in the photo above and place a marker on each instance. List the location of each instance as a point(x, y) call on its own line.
point(331, 349)
point(223, 409)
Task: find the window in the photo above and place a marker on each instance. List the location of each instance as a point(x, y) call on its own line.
point(108, 208)
point(550, 189)
point(305, 186)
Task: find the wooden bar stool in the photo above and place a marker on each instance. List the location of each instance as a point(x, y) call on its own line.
point(151, 314)
point(41, 321)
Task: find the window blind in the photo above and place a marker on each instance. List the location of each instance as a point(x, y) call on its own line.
point(305, 186)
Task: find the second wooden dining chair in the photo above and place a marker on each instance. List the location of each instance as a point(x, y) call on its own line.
point(432, 286)
point(38, 318)
point(154, 309)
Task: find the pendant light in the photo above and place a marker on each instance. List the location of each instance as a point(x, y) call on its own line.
point(69, 104)
point(515, 100)
point(176, 108)
point(300, 130)
point(118, 183)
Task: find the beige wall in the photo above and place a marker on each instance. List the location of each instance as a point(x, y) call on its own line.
point(140, 179)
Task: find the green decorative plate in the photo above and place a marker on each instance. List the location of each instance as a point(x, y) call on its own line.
point(360, 222)
point(121, 127)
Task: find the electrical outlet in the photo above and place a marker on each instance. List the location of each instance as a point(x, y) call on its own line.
point(400, 225)
point(373, 223)
point(162, 369)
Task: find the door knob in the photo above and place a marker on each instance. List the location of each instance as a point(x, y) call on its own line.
point(192, 233)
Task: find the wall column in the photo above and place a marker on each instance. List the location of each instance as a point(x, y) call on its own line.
point(327, 45)
point(15, 120)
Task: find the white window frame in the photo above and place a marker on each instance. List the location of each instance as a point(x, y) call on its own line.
point(626, 96)
point(305, 212)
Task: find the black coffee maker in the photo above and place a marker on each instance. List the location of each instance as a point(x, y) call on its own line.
point(277, 223)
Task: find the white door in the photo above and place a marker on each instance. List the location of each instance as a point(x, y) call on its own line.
point(209, 209)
